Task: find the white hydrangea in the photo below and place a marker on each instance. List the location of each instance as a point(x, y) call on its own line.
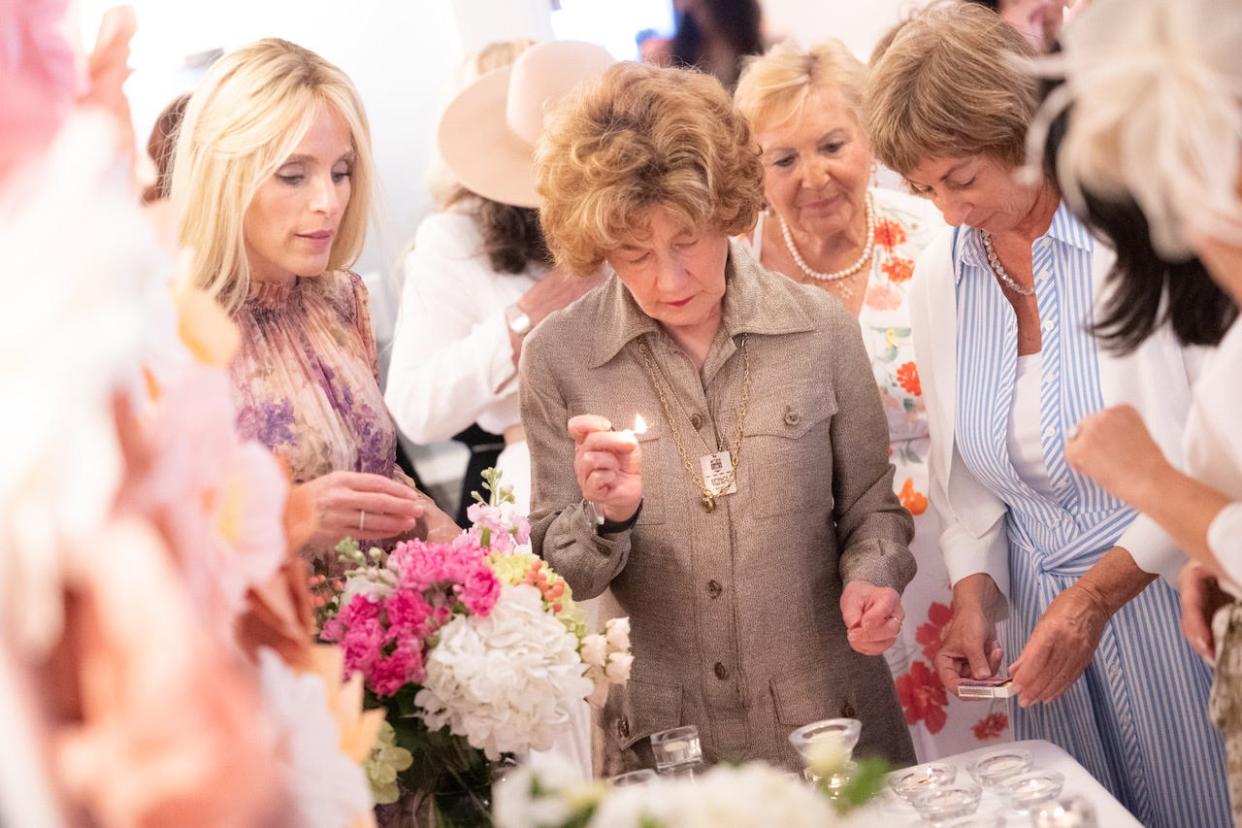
point(505, 682)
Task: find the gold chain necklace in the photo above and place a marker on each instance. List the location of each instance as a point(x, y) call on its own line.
point(708, 495)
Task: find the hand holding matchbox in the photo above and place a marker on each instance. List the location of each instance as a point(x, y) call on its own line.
point(998, 687)
point(608, 466)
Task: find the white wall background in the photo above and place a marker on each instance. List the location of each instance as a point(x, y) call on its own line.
point(402, 54)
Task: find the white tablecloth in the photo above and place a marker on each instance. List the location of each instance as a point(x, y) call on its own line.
point(1044, 756)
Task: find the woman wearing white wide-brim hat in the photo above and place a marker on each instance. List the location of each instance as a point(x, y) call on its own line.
point(478, 277)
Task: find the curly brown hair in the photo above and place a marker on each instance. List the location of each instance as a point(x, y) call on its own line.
point(512, 237)
point(641, 137)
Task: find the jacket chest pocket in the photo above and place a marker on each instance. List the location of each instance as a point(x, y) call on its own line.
point(652, 444)
point(787, 455)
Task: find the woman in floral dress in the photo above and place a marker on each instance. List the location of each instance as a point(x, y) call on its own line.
point(272, 175)
point(825, 226)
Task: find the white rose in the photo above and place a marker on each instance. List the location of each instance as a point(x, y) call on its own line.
point(618, 632)
point(618, 670)
point(594, 650)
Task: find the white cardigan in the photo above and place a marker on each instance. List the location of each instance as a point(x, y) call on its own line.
point(1156, 379)
point(452, 359)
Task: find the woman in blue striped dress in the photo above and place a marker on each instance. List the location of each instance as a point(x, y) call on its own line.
point(1003, 311)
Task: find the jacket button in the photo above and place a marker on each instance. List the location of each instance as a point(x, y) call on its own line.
point(792, 418)
point(721, 672)
point(696, 420)
point(623, 727)
point(714, 589)
point(847, 710)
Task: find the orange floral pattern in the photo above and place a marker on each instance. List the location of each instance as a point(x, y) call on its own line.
point(990, 727)
point(908, 377)
point(923, 697)
point(928, 635)
point(898, 270)
point(889, 234)
point(914, 500)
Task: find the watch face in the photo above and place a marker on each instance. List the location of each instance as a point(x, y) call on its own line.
point(519, 322)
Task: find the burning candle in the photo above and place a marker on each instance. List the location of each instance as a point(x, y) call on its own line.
point(640, 425)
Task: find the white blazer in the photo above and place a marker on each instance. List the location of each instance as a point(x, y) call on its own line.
point(1156, 379)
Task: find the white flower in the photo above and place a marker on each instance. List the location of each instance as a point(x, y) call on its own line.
point(505, 682)
point(594, 650)
point(617, 631)
point(754, 795)
point(549, 795)
point(618, 670)
point(327, 788)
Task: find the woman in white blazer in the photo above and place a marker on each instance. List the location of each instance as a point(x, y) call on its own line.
point(1003, 313)
point(1154, 95)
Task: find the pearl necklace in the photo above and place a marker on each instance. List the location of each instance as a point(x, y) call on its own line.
point(995, 263)
point(845, 290)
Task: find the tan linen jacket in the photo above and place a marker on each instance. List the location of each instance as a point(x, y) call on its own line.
point(735, 616)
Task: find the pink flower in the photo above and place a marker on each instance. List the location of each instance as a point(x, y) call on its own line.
point(390, 673)
point(408, 613)
point(480, 591)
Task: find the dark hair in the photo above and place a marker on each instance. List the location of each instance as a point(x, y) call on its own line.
point(160, 146)
point(735, 21)
point(512, 237)
point(994, 5)
point(1148, 289)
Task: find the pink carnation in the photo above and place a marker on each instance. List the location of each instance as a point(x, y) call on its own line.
point(392, 672)
point(480, 591)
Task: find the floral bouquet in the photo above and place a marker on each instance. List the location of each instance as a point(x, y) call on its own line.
point(473, 648)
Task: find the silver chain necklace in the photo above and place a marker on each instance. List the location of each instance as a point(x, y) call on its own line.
point(837, 276)
point(995, 263)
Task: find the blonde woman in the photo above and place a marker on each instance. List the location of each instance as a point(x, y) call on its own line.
point(826, 227)
point(751, 532)
point(1003, 311)
point(272, 175)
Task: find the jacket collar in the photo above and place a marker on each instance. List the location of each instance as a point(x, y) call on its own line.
point(756, 301)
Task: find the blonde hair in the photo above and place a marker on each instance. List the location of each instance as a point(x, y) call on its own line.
point(246, 117)
point(445, 189)
point(948, 85)
point(775, 86)
point(641, 137)
point(1156, 90)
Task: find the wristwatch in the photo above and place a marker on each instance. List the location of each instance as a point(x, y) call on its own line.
point(604, 526)
point(519, 321)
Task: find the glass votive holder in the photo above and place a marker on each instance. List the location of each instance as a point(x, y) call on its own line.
point(993, 768)
point(642, 776)
point(844, 731)
point(1031, 789)
point(677, 749)
point(944, 802)
point(912, 781)
point(1068, 812)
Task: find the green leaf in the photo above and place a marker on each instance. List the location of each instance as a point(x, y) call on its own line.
point(867, 781)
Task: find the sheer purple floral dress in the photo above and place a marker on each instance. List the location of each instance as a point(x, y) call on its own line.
point(306, 378)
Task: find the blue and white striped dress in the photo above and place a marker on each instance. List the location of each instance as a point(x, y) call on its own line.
point(1137, 719)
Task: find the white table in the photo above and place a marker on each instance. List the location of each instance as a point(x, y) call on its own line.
point(1045, 756)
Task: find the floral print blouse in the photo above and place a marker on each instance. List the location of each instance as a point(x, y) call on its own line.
point(305, 379)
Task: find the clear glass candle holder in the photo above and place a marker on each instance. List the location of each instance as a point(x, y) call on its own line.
point(844, 731)
point(1068, 812)
point(634, 777)
point(938, 803)
point(1028, 790)
point(993, 768)
point(677, 750)
point(912, 781)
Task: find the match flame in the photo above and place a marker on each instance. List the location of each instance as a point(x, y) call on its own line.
point(640, 425)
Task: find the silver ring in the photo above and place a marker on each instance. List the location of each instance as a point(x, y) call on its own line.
point(362, 520)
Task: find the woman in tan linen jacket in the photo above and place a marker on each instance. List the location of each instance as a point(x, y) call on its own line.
point(752, 612)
